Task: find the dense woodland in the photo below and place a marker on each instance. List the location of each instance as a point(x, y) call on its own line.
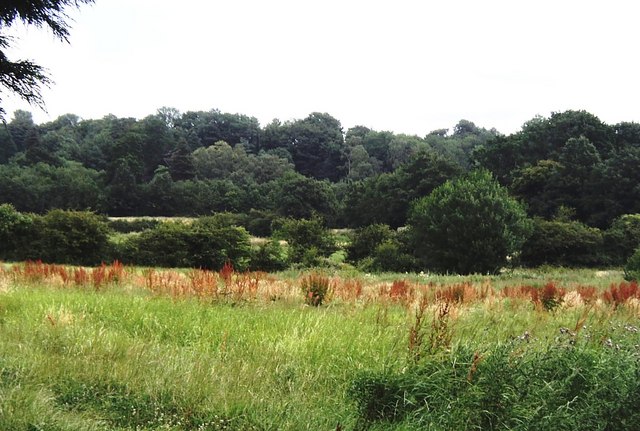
point(576, 177)
point(197, 163)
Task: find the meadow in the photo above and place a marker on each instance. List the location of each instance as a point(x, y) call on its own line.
point(124, 348)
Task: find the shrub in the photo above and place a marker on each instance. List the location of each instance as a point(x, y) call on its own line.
point(165, 245)
point(213, 242)
point(206, 243)
point(259, 223)
point(380, 396)
point(469, 225)
point(389, 256)
point(14, 227)
point(622, 238)
point(269, 257)
point(632, 268)
point(73, 237)
point(365, 240)
point(564, 386)
point(564, 243)
point(308, 240)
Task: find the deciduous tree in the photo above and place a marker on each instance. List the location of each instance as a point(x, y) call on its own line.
point(469, 225)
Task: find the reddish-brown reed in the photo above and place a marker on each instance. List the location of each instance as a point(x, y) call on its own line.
point(549, 296)
point(401, 291)
point(204, 284)
point(37, 271)
point(349, 289)
point(166, 283)
point(226, 272)
point(80, 276)
point(618, 295)
point(588, 293)
point(456, 293)
point(246, 285)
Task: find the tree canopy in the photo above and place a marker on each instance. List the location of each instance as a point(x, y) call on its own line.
point(198, 162)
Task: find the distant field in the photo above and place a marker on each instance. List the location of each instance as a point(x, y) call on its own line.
point(115, 348)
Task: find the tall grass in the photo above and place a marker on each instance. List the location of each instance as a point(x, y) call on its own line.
point(151, 349)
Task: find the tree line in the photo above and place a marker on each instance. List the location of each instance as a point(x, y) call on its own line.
point(196, 163)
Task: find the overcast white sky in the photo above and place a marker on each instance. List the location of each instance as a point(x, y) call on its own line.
point(406, 66)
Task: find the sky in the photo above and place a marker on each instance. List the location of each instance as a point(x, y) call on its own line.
point(407, 66)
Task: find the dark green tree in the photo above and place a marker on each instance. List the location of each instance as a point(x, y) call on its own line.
point(537, 185)
point(622, 238)
point(317, 146)
point(308, 240)
point(620, 183)
point(38, 151)
point(375, 143)
point(14, 229)
point(365, 240)
point(468, 225)
point(20, 128)
point(579, 175)
point(180, 163)
point(542, 139)
point(386, 198)
point(213, 126)
point(7, 146)
point(360, 164)
point(460, 145)
point(297, 196)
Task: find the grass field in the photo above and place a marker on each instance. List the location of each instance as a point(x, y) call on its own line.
point(116, 348)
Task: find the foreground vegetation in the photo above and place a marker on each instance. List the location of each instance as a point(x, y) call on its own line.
point(121, 348)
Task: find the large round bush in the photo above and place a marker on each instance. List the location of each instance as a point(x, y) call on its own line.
point(468, 225)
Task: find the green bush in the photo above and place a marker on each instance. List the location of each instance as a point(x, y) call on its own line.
point(270, 257)
point(389, 256)
point(365, 240)
point(309, 240)
point(632, 267)
point(564, 243)
point(469, 225)
point(213, 242)
point(622, 238)
point(208, 242)
point(166, 245)
point(73, 237)
point(14, 228)
point(380, 396)
point(259, 223)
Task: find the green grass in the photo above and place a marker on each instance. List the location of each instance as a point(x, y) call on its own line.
point(122, 359)
point(103, 361)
